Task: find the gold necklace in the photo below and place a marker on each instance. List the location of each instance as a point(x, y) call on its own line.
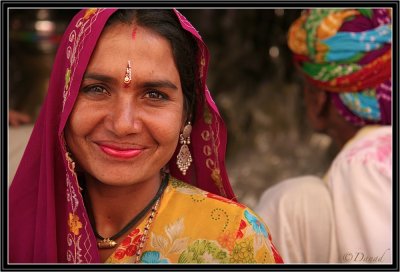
point(146, 231)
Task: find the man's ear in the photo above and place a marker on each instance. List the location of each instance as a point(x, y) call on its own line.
point(317, 104)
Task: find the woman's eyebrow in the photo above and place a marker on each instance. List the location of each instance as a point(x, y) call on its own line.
point(100, 77)
point(146, 84)
point(158, 84)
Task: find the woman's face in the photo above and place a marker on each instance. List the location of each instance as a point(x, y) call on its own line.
point(119, 133)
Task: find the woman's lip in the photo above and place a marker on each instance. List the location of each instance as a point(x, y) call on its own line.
point(125, 153)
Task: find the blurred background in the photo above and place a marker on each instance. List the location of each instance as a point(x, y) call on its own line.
point(251, 77)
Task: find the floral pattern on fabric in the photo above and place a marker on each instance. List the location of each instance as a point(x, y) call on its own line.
point(152, 257)
point(256, 224)
point(227, 240)
point(76, 41)
point(89, 12)
point(242, 226)
point(173, 242)
point(128, 247)
point(204, 251)
point(243, 252)
point(74, 253)
point(74, 224)
point(67, 78)
point(377, 149)
point(193, 226)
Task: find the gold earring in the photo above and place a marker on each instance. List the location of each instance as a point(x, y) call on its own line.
point(184, 158)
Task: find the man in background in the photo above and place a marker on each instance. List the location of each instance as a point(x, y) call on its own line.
point(345, 58)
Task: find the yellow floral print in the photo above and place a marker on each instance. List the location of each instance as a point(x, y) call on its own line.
point(227, 240)
point(243, 252)
point(213, 230)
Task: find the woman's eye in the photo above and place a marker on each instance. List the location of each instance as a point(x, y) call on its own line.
point(95, 89)
point(156, 95)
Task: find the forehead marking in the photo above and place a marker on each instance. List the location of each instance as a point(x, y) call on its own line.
point(134, 32)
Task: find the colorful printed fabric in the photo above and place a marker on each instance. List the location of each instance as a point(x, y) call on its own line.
point(348, 53)
point(225, 232)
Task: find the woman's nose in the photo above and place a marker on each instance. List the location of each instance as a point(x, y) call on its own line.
point(125, 118)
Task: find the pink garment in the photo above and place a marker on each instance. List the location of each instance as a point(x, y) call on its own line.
point(44, 196)
point(361, 183)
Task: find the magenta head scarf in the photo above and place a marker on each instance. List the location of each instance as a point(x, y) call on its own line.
point(48, 222)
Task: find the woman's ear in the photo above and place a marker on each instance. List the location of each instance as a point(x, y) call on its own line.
point(183, 123)
point(317, 107)
point(186, 119)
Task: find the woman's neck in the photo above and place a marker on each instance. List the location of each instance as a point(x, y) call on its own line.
point(112, 207)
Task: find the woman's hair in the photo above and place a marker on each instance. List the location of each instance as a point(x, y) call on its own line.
point(184, 47)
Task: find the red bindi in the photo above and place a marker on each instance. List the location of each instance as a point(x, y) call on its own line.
point(134, 31)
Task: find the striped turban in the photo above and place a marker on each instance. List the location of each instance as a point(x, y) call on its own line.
point(348, 53)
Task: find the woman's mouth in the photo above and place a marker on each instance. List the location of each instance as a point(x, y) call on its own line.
point(124, 153)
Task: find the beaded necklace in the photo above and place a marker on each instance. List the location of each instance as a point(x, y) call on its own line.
point(146, 231)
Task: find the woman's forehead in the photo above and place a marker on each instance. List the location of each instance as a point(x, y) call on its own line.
point(149, 53)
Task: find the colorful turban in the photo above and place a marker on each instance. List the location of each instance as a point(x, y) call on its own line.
point(348, 52)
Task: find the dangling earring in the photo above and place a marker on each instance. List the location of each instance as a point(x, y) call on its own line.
point(184, 158)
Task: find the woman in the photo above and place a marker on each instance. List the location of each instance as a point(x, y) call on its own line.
point(127, 117)
point(345, 56)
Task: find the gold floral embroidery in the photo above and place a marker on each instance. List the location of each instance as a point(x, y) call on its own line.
point(71, 166)
point(216, 177)
point(207, 115)
point(78, 250)
point(89, 13)
point(67, 78)
point(70, 162)
point(74, 253)
point(75, 44)
point(202, 61)
point(74, 223)
point(205, 135)
point(202, 65)
point(212, 151)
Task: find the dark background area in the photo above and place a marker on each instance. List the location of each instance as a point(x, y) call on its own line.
point(251, 77)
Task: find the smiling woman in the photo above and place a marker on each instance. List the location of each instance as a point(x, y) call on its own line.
point(126, 161)
point(123, 134)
